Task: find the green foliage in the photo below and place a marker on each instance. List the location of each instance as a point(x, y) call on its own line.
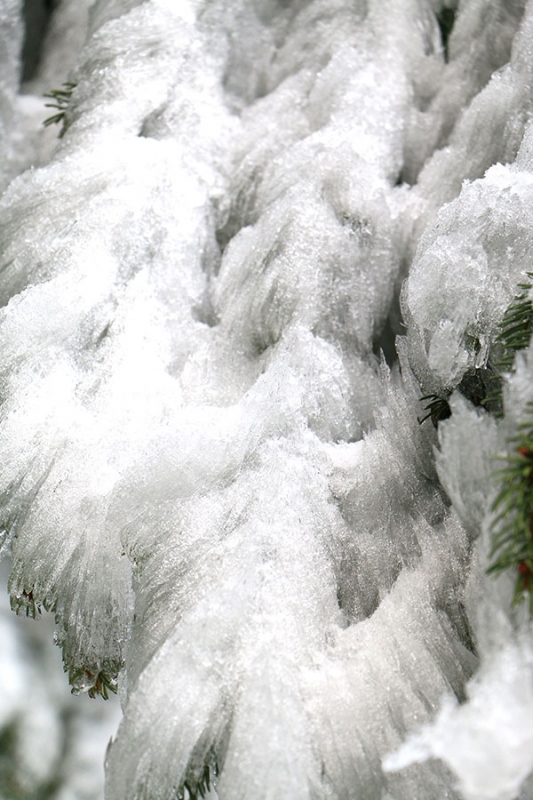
point(61, 98)
point(97, 682)
point(197, 785)
point(437, 408)
point(516, 327)
point(480, 386)
point(512, 544)
point(27, 603)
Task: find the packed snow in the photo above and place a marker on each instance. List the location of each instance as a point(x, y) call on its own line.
point(267, 230)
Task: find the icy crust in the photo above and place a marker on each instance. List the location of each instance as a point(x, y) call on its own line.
point(490, 127)
point(206, 473)
point(275, 663)
point(92, 323)
point(479, 44)
point(468, 737)
point(88, 347)
point(242, 672)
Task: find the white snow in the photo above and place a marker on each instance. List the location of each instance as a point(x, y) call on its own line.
point(208, 471)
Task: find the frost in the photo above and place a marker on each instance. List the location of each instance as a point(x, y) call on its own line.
point(469, 737)
point(212, 469)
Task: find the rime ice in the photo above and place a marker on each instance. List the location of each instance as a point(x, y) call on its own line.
point(212, 466)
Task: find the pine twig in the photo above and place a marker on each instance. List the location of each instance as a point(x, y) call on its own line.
point(516, 327)
point(194, 788)
point(61, 98)
point(94, 683)
point(512, 544)
point(437, 408)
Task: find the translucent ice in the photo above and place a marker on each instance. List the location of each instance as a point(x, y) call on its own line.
point(469, 737)
point(209, 471)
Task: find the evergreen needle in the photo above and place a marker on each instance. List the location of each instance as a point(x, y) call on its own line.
point(61, 98)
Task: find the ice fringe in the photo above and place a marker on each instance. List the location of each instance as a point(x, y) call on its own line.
point(207, 473)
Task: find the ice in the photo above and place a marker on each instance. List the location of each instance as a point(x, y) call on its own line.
point(469, 278)
point(11, 32)
point(468, 737)
point(213, 470)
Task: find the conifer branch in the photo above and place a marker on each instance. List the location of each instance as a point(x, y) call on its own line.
point(516, 327)
point(437, 408)
point(26, 604)
point(512, 544)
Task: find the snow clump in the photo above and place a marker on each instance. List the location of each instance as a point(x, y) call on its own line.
point(212, 466)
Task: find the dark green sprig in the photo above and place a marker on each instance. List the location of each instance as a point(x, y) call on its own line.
point(483, 387)
point(61, 98)
point(94, 683)
point(477, 385)
point(26, 603)
point(512, 544)
point(516, 328)
point(437, 408)
point(197, 787)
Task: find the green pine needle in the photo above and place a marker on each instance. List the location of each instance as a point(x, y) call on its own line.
point(61, 98)
point(516, 327)
point(26, 603)
point(197, 786)
point(437, 408)
point(512, 544)
point(97, 682)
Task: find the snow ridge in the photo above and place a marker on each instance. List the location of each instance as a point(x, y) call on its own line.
point(209, 473)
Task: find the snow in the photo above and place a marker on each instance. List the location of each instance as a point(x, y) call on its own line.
point(208, 470)
point(469, 737)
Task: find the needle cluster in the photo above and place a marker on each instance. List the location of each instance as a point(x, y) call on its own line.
point(512, 545)
point(61, 98)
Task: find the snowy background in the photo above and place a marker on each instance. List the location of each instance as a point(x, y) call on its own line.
point(268, 229)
